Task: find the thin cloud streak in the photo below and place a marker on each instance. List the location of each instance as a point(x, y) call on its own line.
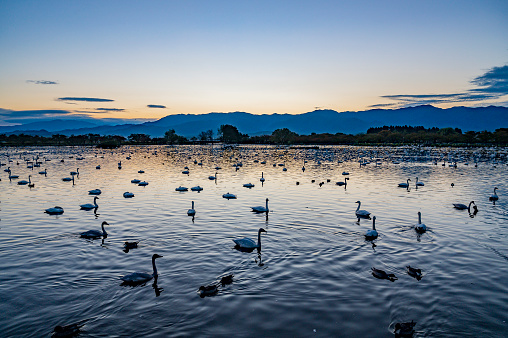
point(84, 99)
point(155, 106)
point(109, 109)
point(43, 82)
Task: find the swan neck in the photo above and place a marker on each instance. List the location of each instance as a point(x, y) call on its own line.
point(358, 206)
point(373, 224)
point(154, 267)
point(259, 239)
point(419, 218)
point(104, 233)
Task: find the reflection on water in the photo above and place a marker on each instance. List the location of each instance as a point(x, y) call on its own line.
point(314, 274)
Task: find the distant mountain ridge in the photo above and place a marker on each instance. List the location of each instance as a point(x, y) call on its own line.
point(318, 121)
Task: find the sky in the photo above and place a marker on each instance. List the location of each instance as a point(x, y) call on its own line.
point(148, 59)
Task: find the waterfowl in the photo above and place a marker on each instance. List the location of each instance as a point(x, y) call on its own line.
point(97, 167)
point(23, 182)
point(185, 172)
point(260, 209)
point(45, 172)
point(361, 213)
point(248, 243)
point(229, 196)
point(404, 330)
point(405, 185)
point(248, 185)
point(211, 177)
point(383, 275)
point(135, 181)
point(96, 233)
point(419, 183)
point(208, 290)
point(141, 171)
point(345, 173)
point(94, 192)
point(72, 173)
point(493, 197)
point(12, 177)
point(130, 245)
point(343, 183)
point(65, 331)
point(128, 194)
point(141, 277)
point(226, 280)
point(372, 233)
point(461, 206)
point(196, 188)
point(68, 179)
point(55, 211)
point(420, 227)
point(414, 272)
point(262, 179)
point(89, 206)
point(143, 184)
point(180, 188)
point(191, 211)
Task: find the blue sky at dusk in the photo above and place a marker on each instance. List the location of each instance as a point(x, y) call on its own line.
point(149, 59)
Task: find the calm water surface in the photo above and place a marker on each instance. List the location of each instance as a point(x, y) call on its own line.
point(313, 276)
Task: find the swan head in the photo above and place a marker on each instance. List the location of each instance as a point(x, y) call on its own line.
point(357, 202)
point(105, 223)
point(156, 256)
point(261, 230)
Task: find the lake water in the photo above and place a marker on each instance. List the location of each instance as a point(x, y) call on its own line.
point(312, 277)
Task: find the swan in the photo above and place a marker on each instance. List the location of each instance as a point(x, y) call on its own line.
point(248, 243)
point(23, 182)
point(128, 194)
point(8, 170)
point(383, 275)
point(180, 188)
point(89, 206)
point(371, 233)
point(11, 177)
point(420, 227)
point(419, 183)
point(72, 173)
point(343, 183)
point(404, 329)
point(143, 184)
point(98, 166)
point(68, 179)
point(96, 233)
point(262, 179)
point(414, 272)
point(361, 213)
point(141, 171)
point(260, 209)
point(70, 330)
point(461, 206)
point(197, 188)
point(229, 196)
point(191, 211)
point(135, 181)
point(141, 277)
point(248, 185)
point(45, 172)
point(344, 173)
point(493, 197)
point(211, 177)
point(226, 280)
point(94, 192)
point(55, 211)
point(405, 185)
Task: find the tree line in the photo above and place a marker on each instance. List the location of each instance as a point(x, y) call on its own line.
point(386, 135)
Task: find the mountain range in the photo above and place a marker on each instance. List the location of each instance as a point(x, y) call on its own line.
point(318, 121)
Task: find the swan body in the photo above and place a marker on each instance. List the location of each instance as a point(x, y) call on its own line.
point(493, 197)
point(95, 233)
point(128, 194)
point(260, 209)
point(141, 277)
point(249, 243)
point(45, 172)
point(343, 183)
point(89, 206)
point(229, 196)
point(344, 173)
point(185, 172)
point(143, 183)
point(94, 192)
point(383, 275)
point(97, 167)
point(141, 171)
point(72, 173)
point(191, 211)
point(420, 227)
point(11, 177)
point(180, 188)
point(23, 182)
point(68, 179)
point(419, 183)
point(248, 185)
point(361, 213)
point(372, 233)
point(461, 206)
point(197, 188)
point(55, 211)
point(405, 185)
point(211, 177)
point(135, 181)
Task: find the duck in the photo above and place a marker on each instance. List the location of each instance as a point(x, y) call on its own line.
point(260, 209)
point(70, 330)
point(196, 188)
point(249, 243)
point(229, 196)
point(414, 272)
point(343, 183)
point(208, 290)
point(96, 233)
point(493, 197)
point(191, 211)
point(143, 184)
point(404, 330)
point(23, 182)
point(419, 183)
point(248, 185)
point(94, 192)
point(361, 213)
point(461, 206)
point(383, 275)
point(128, 194)
point(262, 179)
point(420, 227)
point(142, 277)
point(372, 233)
point(227, 279)
point(72, 173)
point(89, 206)
point(135, 181)
point(180, 188)
point(55, 210)
point(405, 185)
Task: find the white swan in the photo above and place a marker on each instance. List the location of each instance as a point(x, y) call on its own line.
point(72, 173)
point(23, 182)
point(361, 213)
point(260, 208)
point(141, 277)
point(420, 227)
point(55, 211)
point(89, 206)
point(94, 192)
point(249, 243)
point(229, 196)
point(372, 233)
point(96, 233)
point(128, 194)
point(419, 183)
point(405, 185)
point(262, 179)
point(493, 197)
point(191, 211)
